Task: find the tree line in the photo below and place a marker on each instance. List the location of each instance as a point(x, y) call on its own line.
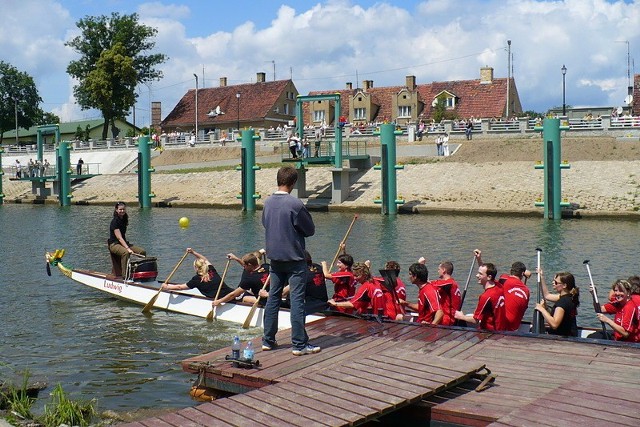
point(115, 56)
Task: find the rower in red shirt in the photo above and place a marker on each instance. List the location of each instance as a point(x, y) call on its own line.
point(449, 291)
point(490, 313)
point(625, 311)
point(343, 280)
point(368, 298)
point(428, 306)
point(515, 291)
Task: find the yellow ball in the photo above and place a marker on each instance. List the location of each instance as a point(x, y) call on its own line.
point(183, 222)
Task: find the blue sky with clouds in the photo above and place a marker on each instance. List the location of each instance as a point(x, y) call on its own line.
point(324, 44)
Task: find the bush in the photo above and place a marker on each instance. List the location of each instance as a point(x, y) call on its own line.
point(62, 410)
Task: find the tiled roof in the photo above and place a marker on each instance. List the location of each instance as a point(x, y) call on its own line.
point(474, 99)
point(257, 100)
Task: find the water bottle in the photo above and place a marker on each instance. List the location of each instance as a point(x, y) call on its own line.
point(235, 348)
point(248, 352)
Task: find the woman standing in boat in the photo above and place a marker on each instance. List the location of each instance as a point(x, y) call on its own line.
point(118, 244)
point(206, 280)
point(624, 309)
point(562, 319)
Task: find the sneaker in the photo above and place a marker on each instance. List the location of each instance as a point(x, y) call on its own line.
point(268, 347)
point(308, 349)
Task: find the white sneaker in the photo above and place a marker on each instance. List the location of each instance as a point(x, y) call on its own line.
point(308, 349)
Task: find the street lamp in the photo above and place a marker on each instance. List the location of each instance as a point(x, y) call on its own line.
point(564, 105)
point(238, 116)
point(196, 76)
point(15, 106)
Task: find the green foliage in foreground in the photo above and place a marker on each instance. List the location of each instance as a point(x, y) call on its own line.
point(61, 410)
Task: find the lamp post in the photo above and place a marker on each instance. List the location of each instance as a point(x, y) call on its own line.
point(238, 115)
point(196, 76)
point(564, 105)
point(15, 106)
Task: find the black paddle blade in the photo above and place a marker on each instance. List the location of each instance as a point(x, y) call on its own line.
point(48, 270)
point(538, 250)
point(390, 279)
point(586, 261)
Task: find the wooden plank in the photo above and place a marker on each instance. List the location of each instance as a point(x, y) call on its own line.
point(359, 385)
point(388, 382)
point(291, 404)
point(178, 420)
point(219, 410)
point(152, 422)
point(201, 418)
point(367, 407)
point(257, 411)
point(327, 404)
point(281, 416)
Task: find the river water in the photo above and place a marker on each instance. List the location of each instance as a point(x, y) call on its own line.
point(102, 348)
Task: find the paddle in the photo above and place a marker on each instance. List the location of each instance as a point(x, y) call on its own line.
point(538, 320)
point(464, 291)
point(212, 313)
point(152, 301)
point(594, 294)
point(247, 321)
point(343, 242)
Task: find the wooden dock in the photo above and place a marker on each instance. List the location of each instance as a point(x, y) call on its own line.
point(399, 373)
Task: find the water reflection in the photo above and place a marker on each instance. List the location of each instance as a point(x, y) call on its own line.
point(97, 347)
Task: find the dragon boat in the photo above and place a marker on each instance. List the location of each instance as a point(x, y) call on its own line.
point(141, 288)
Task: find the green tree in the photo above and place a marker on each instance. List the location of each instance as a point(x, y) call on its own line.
point(17, 92)
point(112, 61)
point(47, 118)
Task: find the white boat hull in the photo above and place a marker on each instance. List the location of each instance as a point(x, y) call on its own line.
point(185, 302)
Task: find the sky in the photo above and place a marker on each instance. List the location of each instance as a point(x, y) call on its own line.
point(322, 45)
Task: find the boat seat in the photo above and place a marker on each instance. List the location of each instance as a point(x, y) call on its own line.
point(116, 267)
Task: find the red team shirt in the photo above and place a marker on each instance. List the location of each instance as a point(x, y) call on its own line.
point(428, 303)
point(625, 315)
point(368, 298)
point(450, 299)
point(490, 312)
point(391, 305)
point(516, 300)
point(345, 285)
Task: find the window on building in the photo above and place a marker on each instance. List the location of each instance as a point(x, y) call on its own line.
point(404, 110)
point(451, 102)
point(318, 115)
point(360, 113)
point(286, 108)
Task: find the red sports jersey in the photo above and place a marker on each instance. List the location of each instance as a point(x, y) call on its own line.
point(516, 300)
point(428, 303)
point(490, 310)
point(450, 299)
point(401, 289)
point(391, 305)
point(627, 317)
point(345, 285)
point(368, 298)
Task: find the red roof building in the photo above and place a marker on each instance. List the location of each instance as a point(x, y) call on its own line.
point(258, 105)
point(485, 97)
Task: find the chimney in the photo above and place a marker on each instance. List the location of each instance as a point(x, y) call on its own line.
point(411, 82)
point(261, 77)
point(486, 75)
point(156, 114)
point(367, 84)
point(223, 82)
point(349, 85)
